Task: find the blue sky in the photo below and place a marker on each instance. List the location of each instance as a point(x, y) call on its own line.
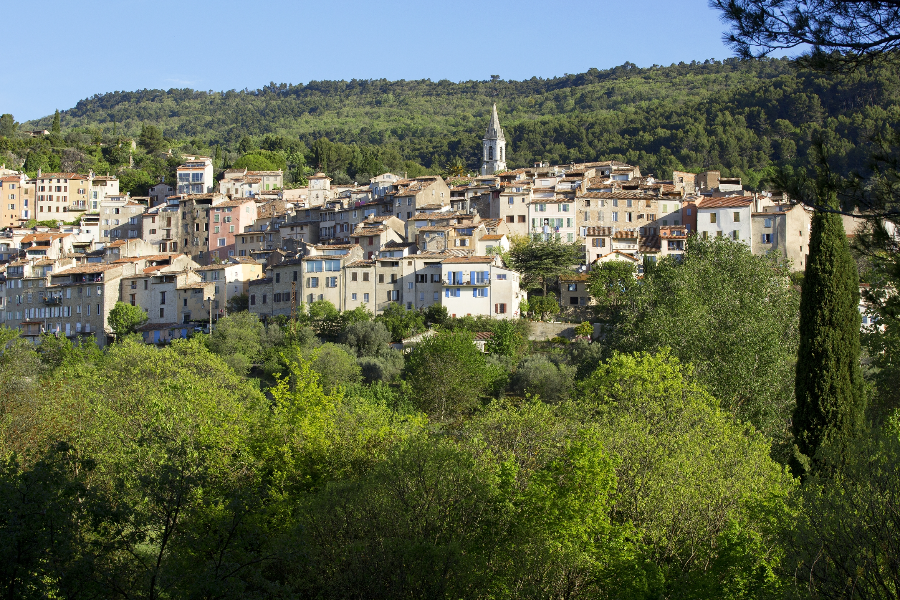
point(75, 50)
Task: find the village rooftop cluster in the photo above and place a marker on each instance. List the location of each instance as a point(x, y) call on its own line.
point(182, 253)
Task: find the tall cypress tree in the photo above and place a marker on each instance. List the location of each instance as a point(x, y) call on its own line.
point(55, 127)
point(829, 385)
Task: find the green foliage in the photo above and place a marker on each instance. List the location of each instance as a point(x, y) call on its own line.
point(544, 306)
point(611, 285)
point(731, 314)
point(151, 139)
point(125, 318)
point(845, 542)
point(336, 367)
point(8, 125)
point(258, 162)
point(238, 339)
point(401, 322)
point(714, 538)
point(584, 329)
point(508, 338)
point(385, 367)
point(238, 303)
point(436, 314)
point(447, 375)
point(542, 262)
point(551, 380)
point(742, 117)
point(54, 128)
point(367, 338)
point(829, 386)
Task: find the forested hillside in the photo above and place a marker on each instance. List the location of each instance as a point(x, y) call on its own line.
point(742, 117)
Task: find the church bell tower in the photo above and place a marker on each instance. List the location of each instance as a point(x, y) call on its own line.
point(494, 147)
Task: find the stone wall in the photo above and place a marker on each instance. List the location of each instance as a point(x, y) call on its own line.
point(544, 331)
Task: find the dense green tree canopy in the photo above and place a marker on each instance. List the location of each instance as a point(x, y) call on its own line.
point(730, 313)
point(125, 318)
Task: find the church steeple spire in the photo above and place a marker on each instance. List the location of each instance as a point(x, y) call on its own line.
point(494, 146)
point(494, 131)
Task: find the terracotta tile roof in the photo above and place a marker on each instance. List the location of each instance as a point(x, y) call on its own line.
point(43, 237)
point(61, 176)
point(462, 260)
point(361, 263)
point(430, 228)
point(90, 268)
point(629, 195)
point(163, 326)
point(148, 258)
point(492, 237)
point(726, 202)
point(598, 231)
point(649, 244)
point(483, 336)
point(197, 285)
point(620, 253)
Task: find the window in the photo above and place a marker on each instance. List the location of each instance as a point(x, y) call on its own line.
point(712, 217)
point(767, 223)
point(312, 282)
point(332, 265)
point(162, 313)
point(500, 309)
point(263, 298)
point(735, 235)
point(767, 238)
point(314, 266)
point(381, 278)
point(615, 216)
point(365, 276)
point(737, 217)
point(162, 297)
point(479, 292)
point(331, 282)
point(353, 277)
point(521, 218)
point(277, 277)
point(509, 218)
point(572, 287)
point(409, 285)
point(365, 297)
point(353, 297)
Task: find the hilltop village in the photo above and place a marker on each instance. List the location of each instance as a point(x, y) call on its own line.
point(185, 254)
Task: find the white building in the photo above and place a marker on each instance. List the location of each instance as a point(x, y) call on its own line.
point(478, 286)
point(195, 176)
point(728, 216)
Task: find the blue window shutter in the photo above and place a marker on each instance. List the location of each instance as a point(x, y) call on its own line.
point(447, 293)
point(459, 278)
point(475, 292)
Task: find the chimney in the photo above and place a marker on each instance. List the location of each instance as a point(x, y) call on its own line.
point(39, 172)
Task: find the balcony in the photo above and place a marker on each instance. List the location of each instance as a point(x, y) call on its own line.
point(53, 300)
point(466, 282)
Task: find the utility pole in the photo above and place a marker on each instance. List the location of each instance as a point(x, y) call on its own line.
point(210, 300)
